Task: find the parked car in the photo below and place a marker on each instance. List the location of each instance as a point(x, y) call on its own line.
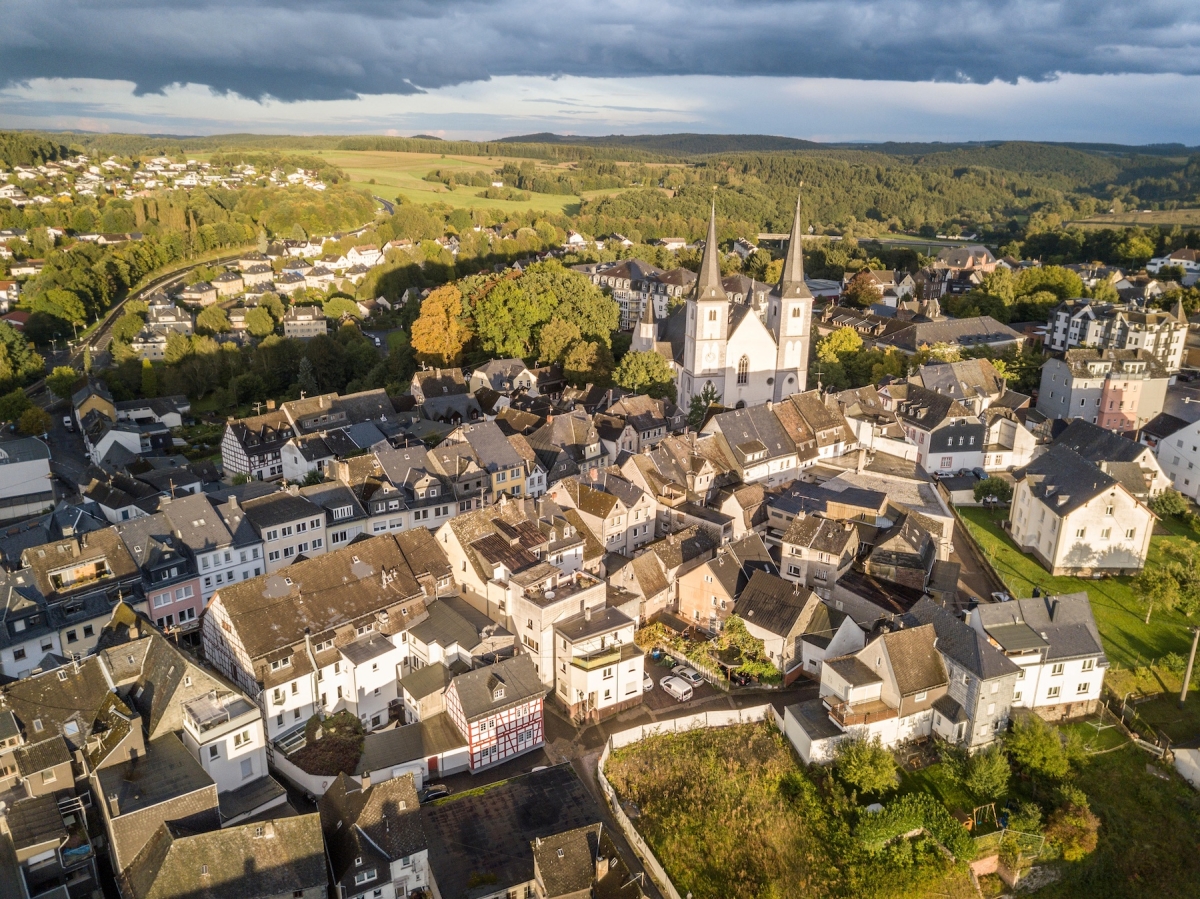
point(68, 423)
point(979, 473)
point(740, 680)
point(677, 687)
point(1001, 596)
point(434, 791)
point(647, 684)
point(688, 674)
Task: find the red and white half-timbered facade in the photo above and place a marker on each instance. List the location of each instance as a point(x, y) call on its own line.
point(499, 710)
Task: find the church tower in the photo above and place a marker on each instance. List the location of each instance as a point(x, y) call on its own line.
point(646, 334)
point(790, 318)
point(706, 327)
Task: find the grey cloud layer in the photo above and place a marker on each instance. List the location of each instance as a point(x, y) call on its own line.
point(302, 50)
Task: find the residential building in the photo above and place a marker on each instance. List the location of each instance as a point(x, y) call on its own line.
point(619, 514)
point(1131, 462)
point(1080, 323)
point(289, 525)
point(581, 863)
point(172, 587)
point(498, 708)
point(374, 838)
point(982, 331)
point(252, 446)
point(304, 322)
point(887, 689)
point(707, 592)
point(272, 859)
point(1077, 520)
point(1054, 642)
point(974, 383)
point(1119, 390)
point(52, 852)
point(947, 435)
point(1178, 454)
point(816, 552)
point(505, 376)
point(755, 444)
point(778, 612)
point(223, 545)
point(25, 487)
point(600, 669)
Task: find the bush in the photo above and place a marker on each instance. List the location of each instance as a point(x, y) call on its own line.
point(914, 811)
point(1169, 502)
point(997, 487)
point(1074, 830)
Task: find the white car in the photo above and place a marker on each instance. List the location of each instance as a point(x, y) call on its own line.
point(647, 684)
point(1001, 597)
point(688, 674)
point(677, 687)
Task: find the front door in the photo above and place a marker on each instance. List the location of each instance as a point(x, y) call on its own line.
point(431, 764)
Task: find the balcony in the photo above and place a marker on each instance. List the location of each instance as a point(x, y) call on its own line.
point(852, 714)
point(600, 658)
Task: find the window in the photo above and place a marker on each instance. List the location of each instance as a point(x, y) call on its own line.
point(1017, 696)
point(364, 876)
point(272, 556)
point(1083, 688)
point(1108, 510)
point(1131, 533)
point(1105, 533)
point(947, 461)
point(241, 739)
point(88, 630)
point(920, 697)
point(1088, 664)
point(743, 370)
point(247, 768)
point(1081, 532)
point(712, 315)
point(281, 663)
point(214, 752)
point(1057, 668)
point(72, 637)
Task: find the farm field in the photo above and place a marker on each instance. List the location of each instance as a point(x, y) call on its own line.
point(401, 174)
point(1144, 219)
point(1120, 616)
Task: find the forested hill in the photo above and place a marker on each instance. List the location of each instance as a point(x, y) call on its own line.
point(676, 144)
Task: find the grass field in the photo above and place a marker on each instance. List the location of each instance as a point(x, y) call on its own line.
point(401, 174)
point(1120, 617)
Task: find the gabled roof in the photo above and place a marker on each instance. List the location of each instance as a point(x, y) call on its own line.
point(915, 662)
point(381, 823)
point(491, 689)
point(1096, 444)
point(1063, 480)
point(1065, 622)
point(776, 605)
point(960, 642)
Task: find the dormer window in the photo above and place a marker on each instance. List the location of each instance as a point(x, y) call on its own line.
point(281, 663)
point(498, 693)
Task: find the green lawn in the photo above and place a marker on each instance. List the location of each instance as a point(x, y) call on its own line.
point(1164, 714)
point(936, 779)
point(1149, 833)
point(1119, 615)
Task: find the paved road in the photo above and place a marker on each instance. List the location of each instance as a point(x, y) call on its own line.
point(973, 577)
point(387, 204)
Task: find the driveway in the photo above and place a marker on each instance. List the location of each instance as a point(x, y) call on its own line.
point(973, 578)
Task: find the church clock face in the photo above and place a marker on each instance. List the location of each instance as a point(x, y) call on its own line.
point(710, 357)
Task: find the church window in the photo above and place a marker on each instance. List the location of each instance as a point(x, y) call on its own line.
point(795, 312)
point(712, 315)
point(743, 375)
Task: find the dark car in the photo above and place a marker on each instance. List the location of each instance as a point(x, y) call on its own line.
point(739, 680)
point(434, 791)
point(979, 473)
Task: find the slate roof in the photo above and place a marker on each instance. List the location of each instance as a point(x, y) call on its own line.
point(1065, 622)
point(384, 749)
point(915, 663)
point(1063, 480)
point(34, 757)
point(753, 429)
point(776, 605)
point(280, 508)
point(167, 771)
point(250, 861)
point(1096, 444)
point(821, 534)
point(966, 332)
point(426, 681)
point(197, 523)
point(853, 670)
point(452, 620)
point(960, 642)
point(965, 379)
point(490, 831)
point(379, 824)
point(476, 689)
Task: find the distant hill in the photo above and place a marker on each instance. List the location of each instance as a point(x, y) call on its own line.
point(675, 144)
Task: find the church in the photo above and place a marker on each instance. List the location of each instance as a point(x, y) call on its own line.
point(750, 347)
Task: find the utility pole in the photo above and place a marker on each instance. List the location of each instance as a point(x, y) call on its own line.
point(1187, 675)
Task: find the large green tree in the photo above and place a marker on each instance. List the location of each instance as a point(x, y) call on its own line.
point(213, 319)
point(865, 764)
point(646, 372)
point(259, 322)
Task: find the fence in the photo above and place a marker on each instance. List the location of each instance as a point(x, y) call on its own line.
point(674, 725)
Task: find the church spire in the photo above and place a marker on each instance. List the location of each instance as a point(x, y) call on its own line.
point(708, 283)
point(791, 281)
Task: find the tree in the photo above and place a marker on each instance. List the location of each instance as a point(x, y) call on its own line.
point(312, 478)
point(984, 775)
point(862, 290)
point(272, 304)
point(865, 765)
point(177, 349)
point(259, 322)
point(555, 338)
point(62, 381)
point(306, 378)
point(507, 315)
point(1073, 827)
point(213, 319)
point(588, 362)
point(149, 379)
point(34, 421)
point(87, 359)
point(842, 342)
point(439, 333)
point(1036, 746)
point(13, 404)
point(339, 307)
point(646, 372)
point(1155, 585)
point(997, 487)
point(126, 327)
point(698, 406)
point(1169, 502)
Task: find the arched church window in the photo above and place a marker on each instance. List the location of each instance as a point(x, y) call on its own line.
point(743, 376)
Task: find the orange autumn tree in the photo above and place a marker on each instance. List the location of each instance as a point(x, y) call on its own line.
point(439, 333)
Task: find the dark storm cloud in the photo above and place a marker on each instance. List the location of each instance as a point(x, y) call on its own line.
point(341, 48)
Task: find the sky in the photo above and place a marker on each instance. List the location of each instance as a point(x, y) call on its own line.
point(827, 70)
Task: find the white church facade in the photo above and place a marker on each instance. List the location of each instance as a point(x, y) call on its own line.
point(748, 352)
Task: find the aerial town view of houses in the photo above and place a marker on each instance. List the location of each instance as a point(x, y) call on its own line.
point(672, 515)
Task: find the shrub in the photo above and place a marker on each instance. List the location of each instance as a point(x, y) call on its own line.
point(997, 487)
point(1169, 502)
point(1074, 830)
point(865, 765)
point(914, 811)
point(1037, 747)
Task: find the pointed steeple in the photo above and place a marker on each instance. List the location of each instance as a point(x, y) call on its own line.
point(708, 283)
point(1180, 315)
point(791, 281)
point(648, 313)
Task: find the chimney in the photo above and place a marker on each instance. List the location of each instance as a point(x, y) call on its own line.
point(270, 405)
point(862, 459)
point(269, 830)
point(587, 613)
point(294, 489)
point(233, 504)
point(133, 631)
point(366, 781)
point(114, 807)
